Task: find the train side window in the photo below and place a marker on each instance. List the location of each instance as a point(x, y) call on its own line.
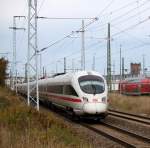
point(69, 90)
point(59, 89)
point(55, 89)
point(41, 88)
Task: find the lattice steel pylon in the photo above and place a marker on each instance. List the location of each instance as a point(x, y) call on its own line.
point(32, 56)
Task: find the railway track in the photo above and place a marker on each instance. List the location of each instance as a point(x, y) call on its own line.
point(116, 134)
point(140, 137)
point(128, 116)
point(121, 136)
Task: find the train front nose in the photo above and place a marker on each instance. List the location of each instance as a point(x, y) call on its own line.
point(94, 108)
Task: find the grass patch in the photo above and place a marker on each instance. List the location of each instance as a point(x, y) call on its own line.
point(134, 104)
point(22, 126)
point(3, 103)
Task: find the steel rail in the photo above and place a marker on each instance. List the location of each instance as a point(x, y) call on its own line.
point(140, 137)
point(130, 117)
point(131, 114)
point(111, 137)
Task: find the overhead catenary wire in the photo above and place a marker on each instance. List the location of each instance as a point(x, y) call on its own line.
point(66, 18)
point(58, 41)
point(132, 10)
point(52, 44)
point(132, 16)
point(128, 34)
point(120, 8)
point(116, 33)
point(135, 25)
point(130, 48)
point(142, 45)
point(77, 18)
point(122, 21)
point(106, 7)
point(76, 52)
point(116, 52)
point(102, 57)
point(120, 31)
point(90, 37)
point(130, 27)
point(40, 6)
point(120, 17)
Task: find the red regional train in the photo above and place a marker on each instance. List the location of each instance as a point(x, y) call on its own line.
point(135, 86)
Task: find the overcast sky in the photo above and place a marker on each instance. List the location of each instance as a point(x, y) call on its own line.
point(130, 27)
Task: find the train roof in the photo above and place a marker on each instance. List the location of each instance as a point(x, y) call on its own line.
point(65, 78)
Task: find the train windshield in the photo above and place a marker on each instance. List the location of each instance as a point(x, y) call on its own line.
point(92, 84)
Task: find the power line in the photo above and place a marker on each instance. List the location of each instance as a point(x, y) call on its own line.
point(135, 25)
point(80, 18)
point(120, 8)
point(69, 34)
point(105, 8)
point(129, 34)
point(41, 5)
point(58, 41)
point(87, 48)
point(121, 16)
point(89, 37)
point(116, 52)
point(77, 52)
point(126, 19)
point(104, 56)
point(66, 18)
point(133, 16)
point(115, 34)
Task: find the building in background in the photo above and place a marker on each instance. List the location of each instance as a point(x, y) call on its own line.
point(135, 69)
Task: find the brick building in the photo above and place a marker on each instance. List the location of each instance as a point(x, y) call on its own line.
point(135, 69)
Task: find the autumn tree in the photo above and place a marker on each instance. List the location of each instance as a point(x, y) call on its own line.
point(3, 68)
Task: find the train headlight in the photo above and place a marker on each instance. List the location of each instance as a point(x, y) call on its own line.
point(104, 99)
point(85, 99)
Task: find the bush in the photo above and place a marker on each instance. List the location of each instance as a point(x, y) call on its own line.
point(3, 68)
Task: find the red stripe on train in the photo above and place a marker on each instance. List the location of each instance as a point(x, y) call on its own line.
point(65, 98)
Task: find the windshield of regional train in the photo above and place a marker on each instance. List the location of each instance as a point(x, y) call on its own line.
point(91, 84)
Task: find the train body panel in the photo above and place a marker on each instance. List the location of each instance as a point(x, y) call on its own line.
point(82, 92)
point(135, 86)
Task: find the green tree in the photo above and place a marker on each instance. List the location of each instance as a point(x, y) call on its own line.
point(3, 68)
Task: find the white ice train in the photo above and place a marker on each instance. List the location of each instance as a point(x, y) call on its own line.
point(82, 93)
